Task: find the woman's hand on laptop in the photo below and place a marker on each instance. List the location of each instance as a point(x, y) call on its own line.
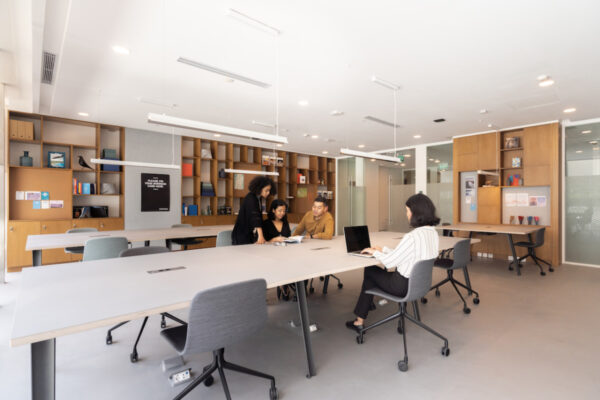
point(371, 250)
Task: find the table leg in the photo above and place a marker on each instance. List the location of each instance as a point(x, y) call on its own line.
point(515, 259)
point(37, 258)
point(470, 254)
point(146, 243)
point(169, 244)
point(43, 370)
point(305, 324)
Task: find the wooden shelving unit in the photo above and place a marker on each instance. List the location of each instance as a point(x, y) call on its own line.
point(74, 138)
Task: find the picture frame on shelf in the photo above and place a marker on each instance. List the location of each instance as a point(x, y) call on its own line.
point(56, 159)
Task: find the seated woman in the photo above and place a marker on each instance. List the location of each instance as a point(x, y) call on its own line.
point(421, 243)
point(276, 227)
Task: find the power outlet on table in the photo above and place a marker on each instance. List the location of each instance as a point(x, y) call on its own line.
point(180, 377)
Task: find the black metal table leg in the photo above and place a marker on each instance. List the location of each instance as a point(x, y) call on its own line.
point(515, 259)
point(43, 370)
point(305, 324)
point(146, 243)
point(37, 258)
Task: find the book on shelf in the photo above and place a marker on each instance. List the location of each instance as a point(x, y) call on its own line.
point(192, 209)
point(207, 189)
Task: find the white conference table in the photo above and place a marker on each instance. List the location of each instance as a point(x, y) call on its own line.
point(64, 299)
point(37, 243)
point(508, 230)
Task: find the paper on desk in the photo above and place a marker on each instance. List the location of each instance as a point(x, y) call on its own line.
point(294, 239)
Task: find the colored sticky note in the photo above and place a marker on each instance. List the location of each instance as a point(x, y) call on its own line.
point(20, 195)
point(45, 204)
point(473, 206)
point(45, 196)
point(37, 204)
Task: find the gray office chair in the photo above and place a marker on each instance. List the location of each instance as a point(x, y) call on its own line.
point(531, 246)
point(78, 249)
point(104, 247)
point(224, 238)
point(183, 242)
point(217, 319)
point(418, 286)
point(461, 258)
point(141, 251)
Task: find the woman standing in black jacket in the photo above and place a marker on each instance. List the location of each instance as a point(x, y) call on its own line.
point(248, 226)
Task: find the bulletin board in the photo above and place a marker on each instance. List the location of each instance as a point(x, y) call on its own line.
point(57, 182)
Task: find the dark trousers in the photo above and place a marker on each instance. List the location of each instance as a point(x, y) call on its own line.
point(375, 277)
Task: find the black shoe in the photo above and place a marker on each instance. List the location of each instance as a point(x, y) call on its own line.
point(356, 328)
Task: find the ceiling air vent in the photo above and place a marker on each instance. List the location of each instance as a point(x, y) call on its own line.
point(48, 63)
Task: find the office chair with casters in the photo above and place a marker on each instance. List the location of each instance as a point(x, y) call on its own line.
point(104, 247)
point(141, 251)
point(224, 238)
point(78, 249)
point(183, 242)
point(218, 319)
point(461, 259)
point(531, 246)
point(418, 285)
point(325, 280)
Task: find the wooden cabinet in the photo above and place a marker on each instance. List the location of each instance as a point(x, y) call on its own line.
point(487, 151)
point(111, 224)
point(86, 223)
point(489, 206)
point(465, 153)
point(538, 146)
point(55, 255)
point(198, 220)
point(16, 239)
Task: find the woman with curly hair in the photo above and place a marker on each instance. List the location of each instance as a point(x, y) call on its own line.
point(248, 226)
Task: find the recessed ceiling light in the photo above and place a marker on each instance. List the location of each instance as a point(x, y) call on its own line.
point(595, 148)
point(407, 155)
point(121, 50)
point(314, 136)
point(305, 135)
point(586, 132)
point(417, 136)
point(545, 80)
point(579, 151)
point(569, 110)
point(594, 142)
point(372, 160)
point(403, 165)
point(83, 114)
point(431, 159)
point(303, 103)
point(438, 120)
point(229, 80)
point(483, 111)
point(490, 125)
point(325, 152)
point(336, 113)
point(361, 146)
point(217, 135)
point(437, 161)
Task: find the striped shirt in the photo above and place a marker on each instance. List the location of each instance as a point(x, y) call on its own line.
point(420, 244)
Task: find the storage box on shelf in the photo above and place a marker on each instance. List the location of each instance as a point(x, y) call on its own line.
point(73, 139)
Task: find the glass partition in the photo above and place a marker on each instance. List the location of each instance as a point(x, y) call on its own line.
point(439, 180)
point(582, 194)
point(396, 185)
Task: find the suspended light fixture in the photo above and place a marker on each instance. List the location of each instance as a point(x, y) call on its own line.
point(250, 172)
point(365, 154)
point(133, 163)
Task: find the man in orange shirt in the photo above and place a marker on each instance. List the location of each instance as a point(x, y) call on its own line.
point(317, 223)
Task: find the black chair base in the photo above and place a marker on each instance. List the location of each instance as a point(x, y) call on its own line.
point(325, 280)
point(402, 316)
point(455, 283)
point(536, 260)
point(219, 364)
point(134, 356)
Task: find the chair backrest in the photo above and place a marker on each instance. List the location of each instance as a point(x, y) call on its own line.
point(419, 282)
point(539, 237)
point(224, 238)
point(218, 318)
point(104, 247)
point(142, 251)
point(181, 226)
point(462, 254)
point(446, 232)
point(80, 230)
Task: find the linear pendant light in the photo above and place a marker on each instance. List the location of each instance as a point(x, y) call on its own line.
point(381, 121)
point(223, 72)
point(133, 163)
point(250, 172)
point(167, 120)
point(365, 154)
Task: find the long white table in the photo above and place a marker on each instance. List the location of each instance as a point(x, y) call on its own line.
point(37, 243)
point(64, 299)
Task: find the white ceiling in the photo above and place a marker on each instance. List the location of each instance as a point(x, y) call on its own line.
point(451, 59)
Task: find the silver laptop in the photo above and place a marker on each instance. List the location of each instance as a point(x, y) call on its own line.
point(357, 239)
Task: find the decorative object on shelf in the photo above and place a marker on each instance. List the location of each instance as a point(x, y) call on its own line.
point(222, 173)
point(56, 159)
point(108, 188)
point(302, 179)
point(530, 220)
point(521, 218)
point(511, 143)
point(509, 180)
point(537, 220)
point(187, 169)
point(25, 160)
point(516, 162)
point(206, 153)
point(514, 180)
point(511, 219)
point(83, 163)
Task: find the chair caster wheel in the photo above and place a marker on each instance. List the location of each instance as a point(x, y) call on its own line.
point(400, 330)
point(424, 300)
point(437, 293)
point(321, 278)
point(476, 300)
point(510, 268)
point(163, 325)
point(467, 310)
point(108, 339)
point(551, 269)
point(311, 290)
point(133, 357)
point(273, 393)
point(403, 366)
point(209, 381)
point(445, 351)
point(360, 339)
point(542, 273)
point(340, 285)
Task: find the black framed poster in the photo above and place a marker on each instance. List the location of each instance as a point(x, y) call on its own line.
point(156, 194)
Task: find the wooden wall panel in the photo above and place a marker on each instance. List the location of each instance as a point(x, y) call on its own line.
point(487, 151)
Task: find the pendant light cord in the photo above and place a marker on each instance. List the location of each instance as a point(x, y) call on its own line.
point(395, 118)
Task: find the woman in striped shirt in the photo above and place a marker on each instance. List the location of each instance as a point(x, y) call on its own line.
point(421, 243)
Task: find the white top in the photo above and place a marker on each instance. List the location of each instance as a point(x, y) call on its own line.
point(420, 244)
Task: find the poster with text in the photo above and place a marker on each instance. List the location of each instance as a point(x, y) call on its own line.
point(156, 194)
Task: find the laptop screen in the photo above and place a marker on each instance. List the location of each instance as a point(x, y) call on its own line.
point(357, 238)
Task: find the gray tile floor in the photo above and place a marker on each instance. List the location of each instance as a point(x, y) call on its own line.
point(531, 337)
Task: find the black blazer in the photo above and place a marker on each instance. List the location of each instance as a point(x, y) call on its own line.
point(270, 231)
point(250, 217)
